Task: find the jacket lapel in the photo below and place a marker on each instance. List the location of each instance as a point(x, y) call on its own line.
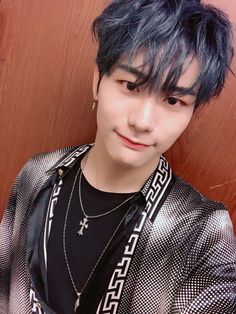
point(120, 291)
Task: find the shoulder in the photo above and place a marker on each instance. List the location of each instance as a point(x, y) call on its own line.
point(200, 214)
point(39, 164)
point(190, 199)
point(33, 175)
point(49, 159)
point(40, 167)
point(188, 211)
point(194, 226)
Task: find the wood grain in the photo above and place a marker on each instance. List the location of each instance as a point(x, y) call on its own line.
point(47, 59)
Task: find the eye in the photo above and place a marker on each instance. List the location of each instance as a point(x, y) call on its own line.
point(131, 86)
point(174, 101)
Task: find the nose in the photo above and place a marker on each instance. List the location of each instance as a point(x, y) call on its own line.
point(142, 115)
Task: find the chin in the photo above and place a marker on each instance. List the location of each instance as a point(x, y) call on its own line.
point(132, 159)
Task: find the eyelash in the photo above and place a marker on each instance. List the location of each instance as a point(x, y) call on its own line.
point(136, 89)
point(182, 103)
point(131, 84)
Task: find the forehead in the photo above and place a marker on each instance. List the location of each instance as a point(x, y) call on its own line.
point(137, 62)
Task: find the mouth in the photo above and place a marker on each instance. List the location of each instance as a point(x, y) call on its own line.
point(132, 144)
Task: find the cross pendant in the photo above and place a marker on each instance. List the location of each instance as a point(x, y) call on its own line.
point(77, 302)
point(84, 225)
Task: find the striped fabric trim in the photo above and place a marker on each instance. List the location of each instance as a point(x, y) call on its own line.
point(155, 191)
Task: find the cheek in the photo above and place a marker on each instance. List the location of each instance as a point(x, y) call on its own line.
point(175, 127)
point(182, 125)
point(111, 108)
point(106, 115)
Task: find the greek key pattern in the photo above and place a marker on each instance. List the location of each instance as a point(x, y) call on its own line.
point(35, 305)
point(50, 214)
point(71, 159)
point(109, 304)
point(153, 194)
point(158, 185)
point(68, 162)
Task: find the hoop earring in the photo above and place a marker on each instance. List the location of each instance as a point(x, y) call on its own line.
point(94, 105)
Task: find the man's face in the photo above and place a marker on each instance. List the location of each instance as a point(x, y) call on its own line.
point(134, 127)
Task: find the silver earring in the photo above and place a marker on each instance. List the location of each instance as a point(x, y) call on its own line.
point(94, 105)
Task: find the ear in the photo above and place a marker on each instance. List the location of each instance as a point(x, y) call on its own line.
point(95, 82)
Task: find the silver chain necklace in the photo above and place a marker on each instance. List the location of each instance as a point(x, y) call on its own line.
point(78, 293)
point(85, 222)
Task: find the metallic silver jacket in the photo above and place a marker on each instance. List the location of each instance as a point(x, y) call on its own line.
point(183, 260)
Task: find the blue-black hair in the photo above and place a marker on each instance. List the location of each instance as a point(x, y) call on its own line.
point(168, 33)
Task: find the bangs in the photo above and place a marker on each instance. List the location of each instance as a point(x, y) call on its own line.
point(169, 34)
point(163, 66)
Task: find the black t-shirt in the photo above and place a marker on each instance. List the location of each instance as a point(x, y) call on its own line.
point(83, 252)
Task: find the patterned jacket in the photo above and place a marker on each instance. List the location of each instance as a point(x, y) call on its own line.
point(180, 258)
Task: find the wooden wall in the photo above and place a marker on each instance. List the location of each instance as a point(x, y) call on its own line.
point(205, 155)
point(46, 62)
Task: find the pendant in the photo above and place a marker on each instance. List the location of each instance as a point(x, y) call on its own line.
point(84, 225)
point(77, 302)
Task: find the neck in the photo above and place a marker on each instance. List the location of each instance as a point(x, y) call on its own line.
point(105, 174)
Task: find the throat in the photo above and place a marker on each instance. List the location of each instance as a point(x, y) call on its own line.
point(112, 181)
point(112, 177)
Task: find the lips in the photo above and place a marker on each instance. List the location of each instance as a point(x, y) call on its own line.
point(131, 143)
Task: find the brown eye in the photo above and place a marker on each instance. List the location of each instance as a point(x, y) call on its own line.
point(131, 86)
point(172, 101)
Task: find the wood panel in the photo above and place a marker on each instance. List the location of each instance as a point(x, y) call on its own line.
point(47, 58)
point(205, 155)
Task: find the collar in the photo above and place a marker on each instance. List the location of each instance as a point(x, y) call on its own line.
point(67, 162)
point(153, 190)
point(158, 189)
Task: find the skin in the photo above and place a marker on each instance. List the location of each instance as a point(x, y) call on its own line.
point(134, 127)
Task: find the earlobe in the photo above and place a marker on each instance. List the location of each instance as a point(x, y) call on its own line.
point(95, 82)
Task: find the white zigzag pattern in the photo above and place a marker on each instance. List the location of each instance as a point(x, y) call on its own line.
point(71, 159)
point(36, 307)
point(155, 193)
point(117, 281)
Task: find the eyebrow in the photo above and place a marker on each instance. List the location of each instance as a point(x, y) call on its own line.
point(139, 74)
point(179, 90)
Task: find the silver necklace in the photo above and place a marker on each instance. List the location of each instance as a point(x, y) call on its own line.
point(78, 293)
point(85, 222)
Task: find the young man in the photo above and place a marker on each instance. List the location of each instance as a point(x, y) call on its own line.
point(108, 228)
